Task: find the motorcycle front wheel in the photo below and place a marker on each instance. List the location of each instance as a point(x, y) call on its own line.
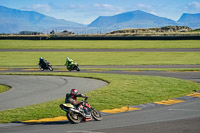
point(50, 68)
point(77, 69)
point(96, 115)
point(73, 117)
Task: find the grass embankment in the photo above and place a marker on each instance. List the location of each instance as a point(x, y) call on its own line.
point(3, 88)
point(123, 90)
point(100, 58)
point(96, 44)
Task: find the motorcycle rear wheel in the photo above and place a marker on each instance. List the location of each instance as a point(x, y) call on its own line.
point(73, 117)
point(96, 115)
point(42, 69)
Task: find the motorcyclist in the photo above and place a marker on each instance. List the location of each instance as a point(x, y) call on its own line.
point(69, 63)
point(42, 62)
point(72, 98)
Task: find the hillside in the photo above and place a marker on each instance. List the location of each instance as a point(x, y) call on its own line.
point(191, 20)
point(14, 21)
point(134, 19)
point(166, 29)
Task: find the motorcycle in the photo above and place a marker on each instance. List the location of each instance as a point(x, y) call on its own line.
point(45, 66)
point(77, 114)
point(74, 66)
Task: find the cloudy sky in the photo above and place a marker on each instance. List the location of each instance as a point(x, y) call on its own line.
point(85, 11)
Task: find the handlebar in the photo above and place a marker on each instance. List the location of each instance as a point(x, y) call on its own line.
point(85, 100)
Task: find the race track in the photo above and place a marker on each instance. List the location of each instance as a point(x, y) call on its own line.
point(28, 90)
point(177, 118)
point(154, 119)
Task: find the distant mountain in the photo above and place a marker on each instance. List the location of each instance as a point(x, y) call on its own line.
point(14, 21)
point(191, 20)
point(134, 19)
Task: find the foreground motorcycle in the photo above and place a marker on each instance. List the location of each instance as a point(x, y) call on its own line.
point(77, 114)
point(74, 66)
point(46, 66)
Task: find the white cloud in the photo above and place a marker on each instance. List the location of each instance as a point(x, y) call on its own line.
point(95, 9)
point(144, 6)
point(78, 7)
point(106, 9)
point(193, 6)
point(107, 6)
point(39, 8)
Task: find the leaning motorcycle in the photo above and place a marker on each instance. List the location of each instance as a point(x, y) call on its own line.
point(77, 114)
point(46, 66)
point(74, 66)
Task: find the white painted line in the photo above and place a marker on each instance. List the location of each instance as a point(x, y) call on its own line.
point(183, 110)
point(83, 132)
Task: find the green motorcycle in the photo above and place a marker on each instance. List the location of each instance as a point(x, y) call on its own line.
point(73, 66)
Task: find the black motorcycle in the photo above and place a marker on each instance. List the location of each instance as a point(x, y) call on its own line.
point(45, 66)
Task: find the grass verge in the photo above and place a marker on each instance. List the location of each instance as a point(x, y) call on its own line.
point(100, 58)
point(3, 88)
point(96, 44)
point(123, 90)
point(144, 69)
point(63, 68)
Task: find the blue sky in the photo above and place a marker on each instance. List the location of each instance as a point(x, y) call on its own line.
point(85, 11)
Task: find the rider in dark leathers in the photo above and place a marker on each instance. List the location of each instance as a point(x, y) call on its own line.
point(43, 62)
point(72, 98)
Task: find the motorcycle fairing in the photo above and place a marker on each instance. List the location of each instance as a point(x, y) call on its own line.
point(68, 105)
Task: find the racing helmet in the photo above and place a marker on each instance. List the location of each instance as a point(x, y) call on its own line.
point(67, 59)
point(74, 91)
point(40, 58)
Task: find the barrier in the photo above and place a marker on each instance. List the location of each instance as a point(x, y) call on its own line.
point(183, 37)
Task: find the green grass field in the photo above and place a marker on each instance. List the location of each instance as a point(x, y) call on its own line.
point(123, 90)
point(3, 88)
point(95, 44)
point(100, 58)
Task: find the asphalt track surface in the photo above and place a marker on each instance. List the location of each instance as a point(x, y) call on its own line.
point(28, 90)
point(178, 118)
